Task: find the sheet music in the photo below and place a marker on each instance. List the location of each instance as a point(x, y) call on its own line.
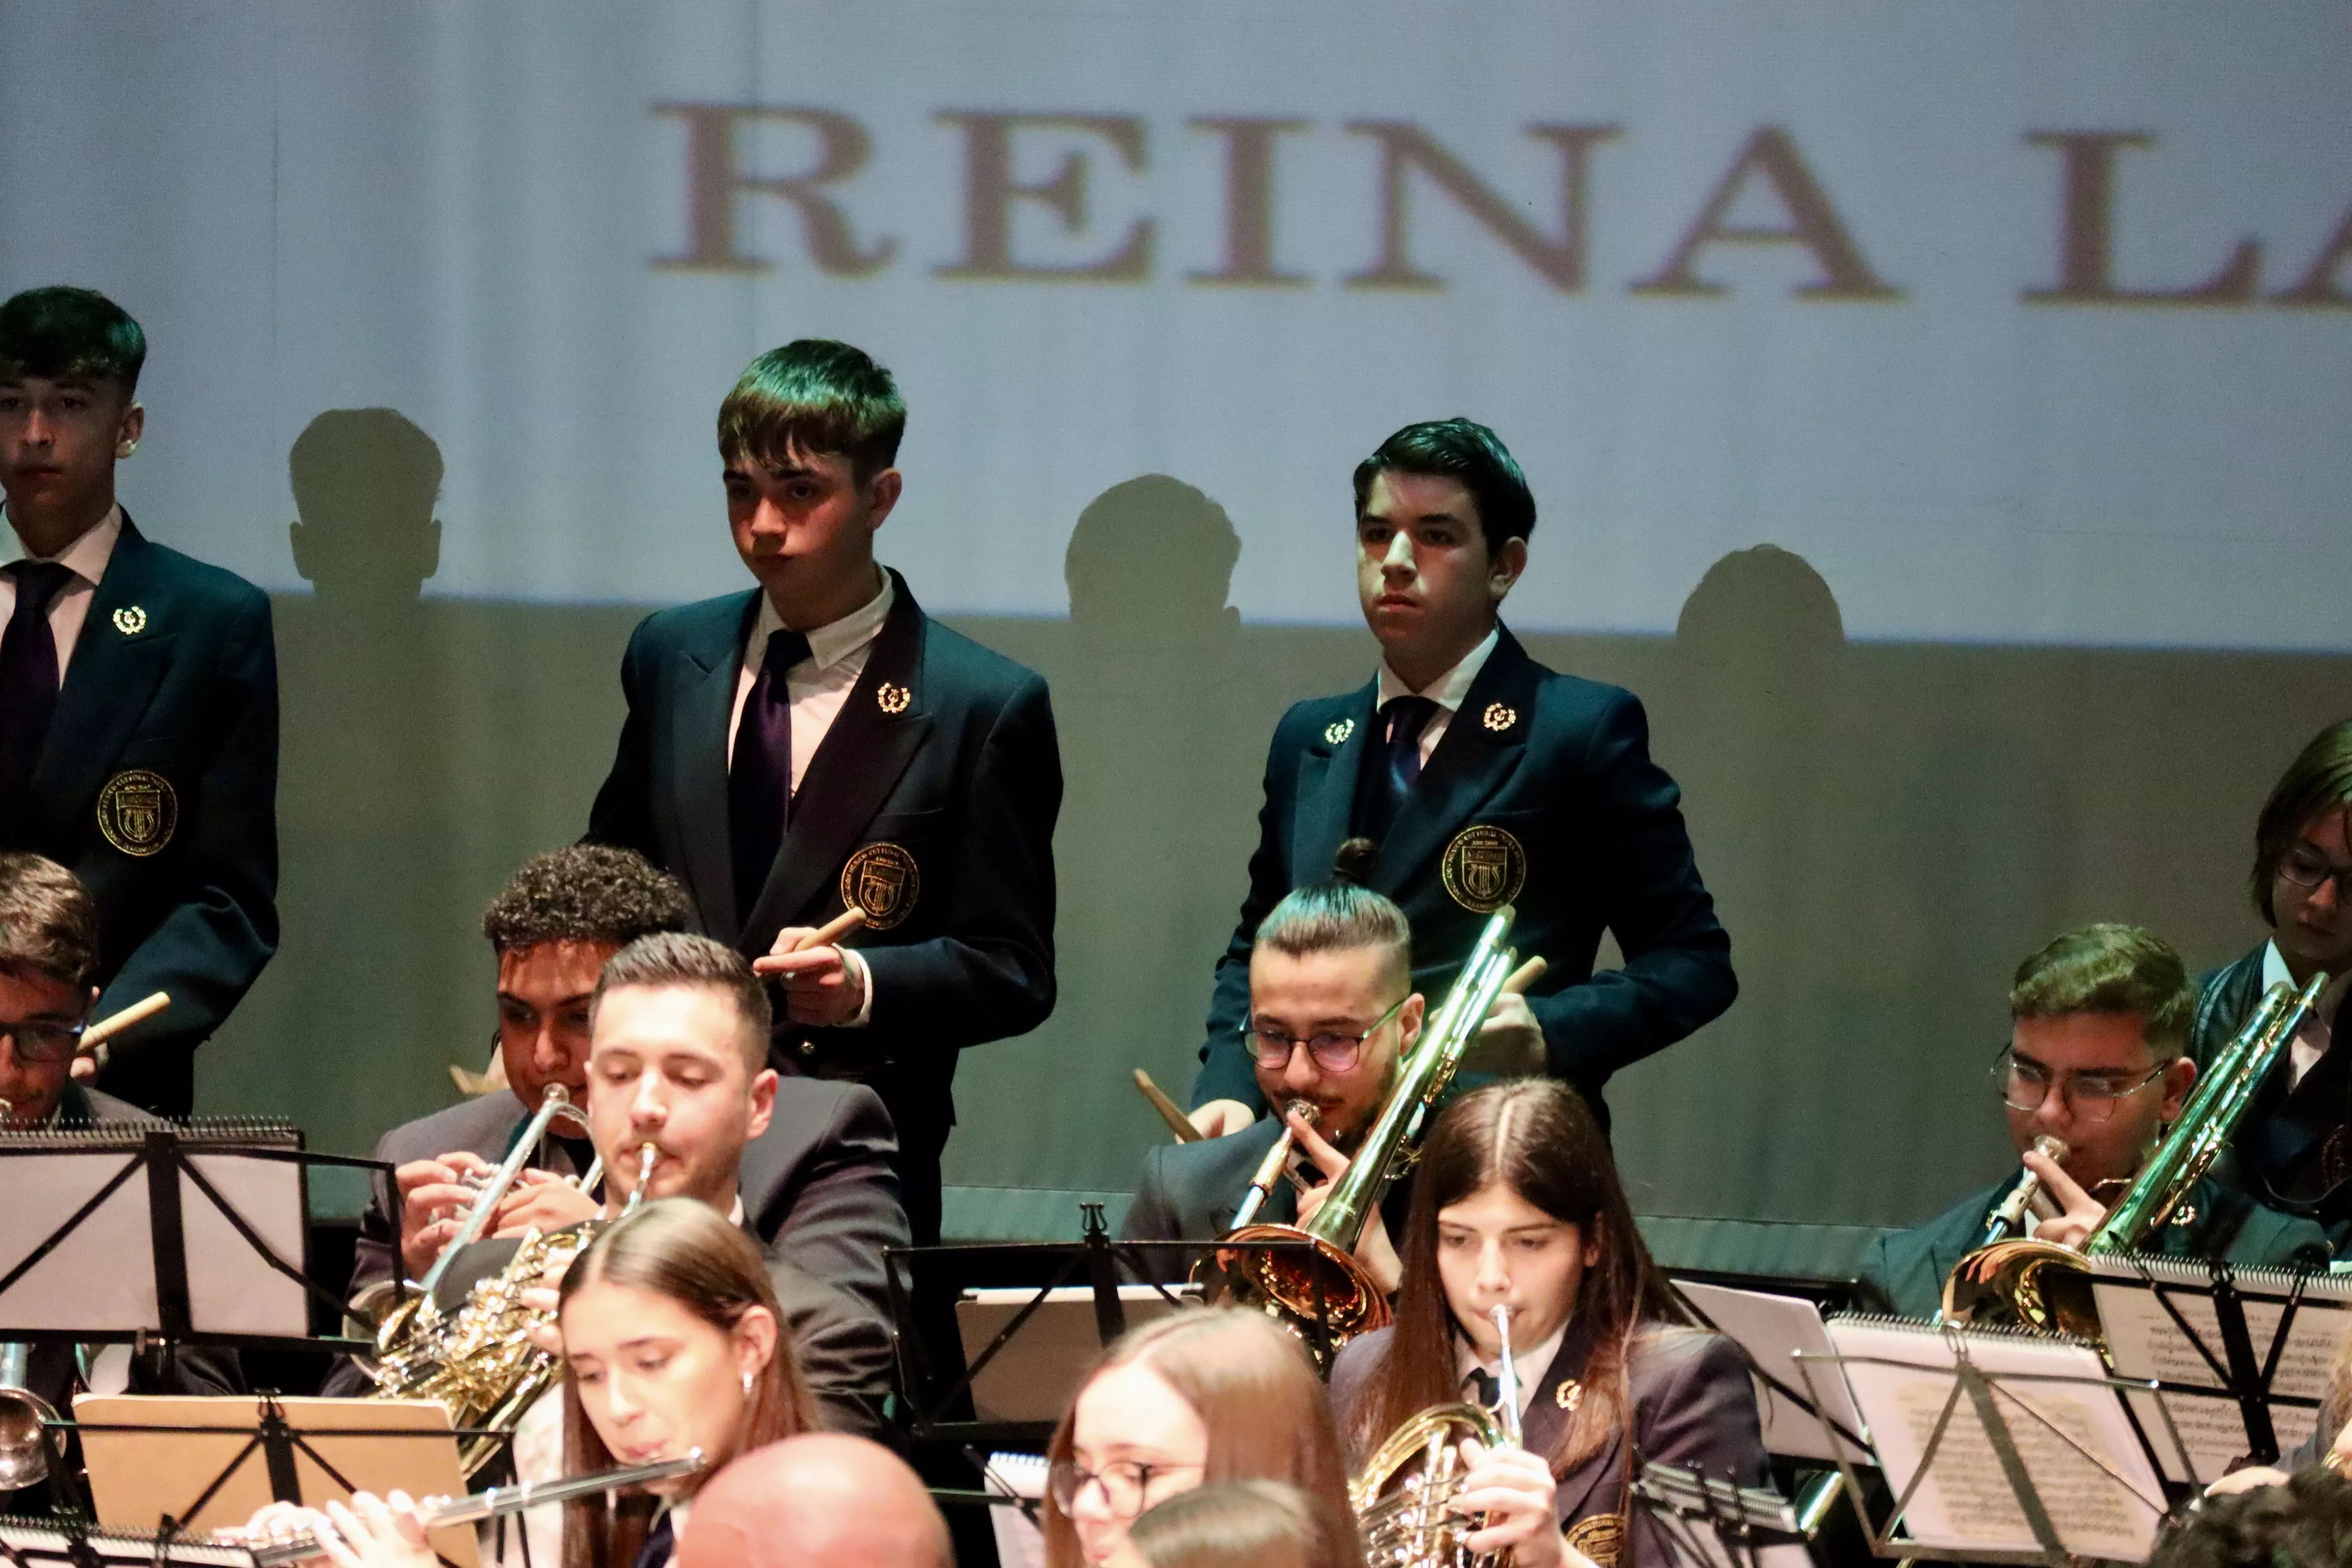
point(1773, 1329)
point(101, 1274)
point(231, 1289)
point(2086, 1461)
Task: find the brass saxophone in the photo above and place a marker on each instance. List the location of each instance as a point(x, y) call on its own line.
point(479, 1361)
point(2039, 1285)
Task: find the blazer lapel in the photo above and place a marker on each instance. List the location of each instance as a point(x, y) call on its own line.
point(1547, 1417)
point(111, 679)
point(1475, 758)
point(1326, 789)
point(855, 769)
point(706, 679)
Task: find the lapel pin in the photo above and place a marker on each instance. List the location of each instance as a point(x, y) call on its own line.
point(1336, 734)
point(892, 699)
point(130, 620)
point(1498, 718)
point(1568, 1394)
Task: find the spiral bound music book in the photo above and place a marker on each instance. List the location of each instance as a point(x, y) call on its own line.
point(2240, 1355)
point(1999, 1446)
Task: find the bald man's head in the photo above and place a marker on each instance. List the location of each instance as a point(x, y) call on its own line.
point(821, 1499)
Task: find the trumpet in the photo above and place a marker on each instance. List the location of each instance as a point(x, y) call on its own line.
point(25, 1443)
point(556, 1102)
point(276, 1550)
point(1270, 1170)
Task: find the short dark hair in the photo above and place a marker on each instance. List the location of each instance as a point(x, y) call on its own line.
point(2306, 1523)
point(819, 395)
point(585, 893)
point(2318, 780)
point(1336, 915)
point(59, 332)
point(680, 958)
point(48, 922)
point(2111, 968)
point(1460, 449)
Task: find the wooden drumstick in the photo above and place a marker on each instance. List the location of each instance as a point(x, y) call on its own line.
point(1525, 975)
point(833, 930)
point(1178, 1122)
point(94, 1039)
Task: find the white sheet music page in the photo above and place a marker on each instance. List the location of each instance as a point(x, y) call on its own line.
point(2086, 1462)
point(1773, 1329)
point(101, 1277)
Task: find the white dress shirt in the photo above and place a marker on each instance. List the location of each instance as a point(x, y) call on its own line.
point(1448, 692)
point(1531, 1363)
point(86, 557)
point(816, 688)
point(2310, 1041)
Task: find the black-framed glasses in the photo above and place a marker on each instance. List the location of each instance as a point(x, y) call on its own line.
point(43, 1041)
point(2306, 868)
point(2090, 1095)
point(1333, 1051)
point(1124, 1483)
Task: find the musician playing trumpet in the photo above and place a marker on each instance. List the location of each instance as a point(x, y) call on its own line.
point(1332, 1008)
point(2097, 1059)
point(1518, 1204)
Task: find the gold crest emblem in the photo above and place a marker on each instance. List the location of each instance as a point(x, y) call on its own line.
point(1498, 718)
point(1483, 869)
point(1336, 734)
point(891, 700)
point(137, 811)
point(883, 880)
point(130, 620)
point(1568, 1394)
point(1600, 1536)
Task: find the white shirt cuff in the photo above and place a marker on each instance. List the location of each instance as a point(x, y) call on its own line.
point(851, 959)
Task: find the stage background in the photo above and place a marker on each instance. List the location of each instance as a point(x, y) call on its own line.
point(1938, 416)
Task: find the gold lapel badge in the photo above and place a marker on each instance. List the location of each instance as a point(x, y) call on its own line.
point(884, 881)
point(1568, 1394)
point(1483, 869)
point(1336, 734)
point(137, 811)
point(130, 620)
point(1498, 718)
point(892, 699)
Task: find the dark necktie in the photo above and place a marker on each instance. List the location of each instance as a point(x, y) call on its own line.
point(759, 778)
point(28, 674)
point(656, 1551)
point(1485, 1389)
point(1402, 720)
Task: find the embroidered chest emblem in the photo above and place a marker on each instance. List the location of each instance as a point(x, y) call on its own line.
point(130, 620)
point(892, 699)
point(1336, 734)
point(1483, 869)
point(1499, 717)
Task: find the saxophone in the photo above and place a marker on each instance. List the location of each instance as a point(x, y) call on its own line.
point(479, 1362)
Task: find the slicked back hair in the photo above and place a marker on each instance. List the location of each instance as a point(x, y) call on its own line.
point(48, 922)
point(2318, 782)
point(817, 397)
point(59, 332)
point(2111, 968)
point(670, 959)
point(1337, 916)
point(585, 893)
point(1466, 450)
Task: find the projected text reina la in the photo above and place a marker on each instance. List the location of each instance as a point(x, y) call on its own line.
point(1768, 171)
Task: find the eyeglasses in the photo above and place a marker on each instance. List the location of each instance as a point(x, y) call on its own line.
point(2306, 868)
point(1332, 1052)
point(43, 1041)
point(1124, 1483)
point(2089, 1096)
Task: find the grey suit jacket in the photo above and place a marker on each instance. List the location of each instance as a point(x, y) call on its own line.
point(1188, 1192)
point(1693, 1406)
point(484, 1125)
point(818, 1192)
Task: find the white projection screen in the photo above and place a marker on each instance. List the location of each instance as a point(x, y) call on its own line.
point(2021, 327)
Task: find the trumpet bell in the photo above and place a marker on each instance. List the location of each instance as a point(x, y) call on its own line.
point(2025, 1284)
point(25, 1446)
point(1325, 1286)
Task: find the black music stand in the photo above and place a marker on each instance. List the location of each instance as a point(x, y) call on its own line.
point(66, 1544)
point(1710, 1520)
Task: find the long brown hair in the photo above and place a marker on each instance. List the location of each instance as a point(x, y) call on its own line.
point(1253, 1387)
point(1245, 1525)
point(685, 1251)
point(1537, 1138)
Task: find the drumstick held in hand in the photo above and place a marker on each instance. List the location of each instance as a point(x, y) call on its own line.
point(114, 1023)
point(833, 930)
point(1525, 975)
point(1178, 1122)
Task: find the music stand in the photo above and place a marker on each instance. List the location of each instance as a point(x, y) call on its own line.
point(63, 1543)
point(1713, 1522)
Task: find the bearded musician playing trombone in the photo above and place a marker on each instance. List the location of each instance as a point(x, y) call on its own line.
point(2095, 1068)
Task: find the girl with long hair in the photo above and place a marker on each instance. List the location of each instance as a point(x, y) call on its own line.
point(1192, 1399)
point(672, 1341)
point(1516, 1203)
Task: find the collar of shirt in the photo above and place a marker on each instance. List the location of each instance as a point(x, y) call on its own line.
point(86, 557)
point(2310, 1041)
point(1449, 690)
point(829, 644)
point(1531, 1363)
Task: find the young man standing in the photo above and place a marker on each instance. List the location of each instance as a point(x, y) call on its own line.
point(818, 741)
point(2097, 1059)
point(138, 701)
point(1488, 780)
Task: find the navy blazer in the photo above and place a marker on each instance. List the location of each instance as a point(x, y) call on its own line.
point(175, 675)
point(1561, 766)
point(942, 749)
point(1188, 1192)
point(2294, 1147)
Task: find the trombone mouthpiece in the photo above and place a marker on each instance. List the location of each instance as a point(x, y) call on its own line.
point(1304, 1109)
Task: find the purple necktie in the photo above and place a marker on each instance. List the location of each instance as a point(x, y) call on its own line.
point(759, 778)
point(28, 676)
point(1404, 717)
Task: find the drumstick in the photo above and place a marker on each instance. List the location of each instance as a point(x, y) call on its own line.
point(1177, 1121)
point(1525, 975)
point(106, 1028)
point(833, 930)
